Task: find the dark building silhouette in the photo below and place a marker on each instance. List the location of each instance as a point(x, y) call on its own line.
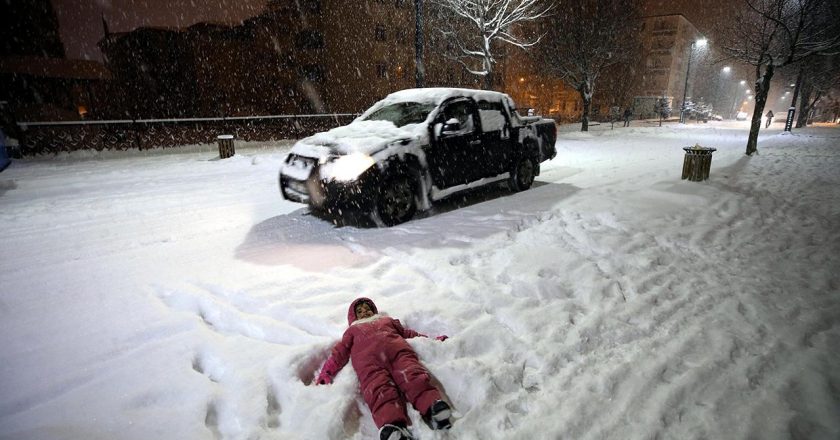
point(153, 77)
point(38, 82)
point(296, 57)
point(29, 28)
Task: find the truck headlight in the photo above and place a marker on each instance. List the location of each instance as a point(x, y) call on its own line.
point(348, 167)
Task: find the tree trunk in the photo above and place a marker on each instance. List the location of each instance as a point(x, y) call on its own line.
point(762, 88)
point(488, 67)
point(800, 82)
point(804, 103)
point(586, 97)
point(584, 119)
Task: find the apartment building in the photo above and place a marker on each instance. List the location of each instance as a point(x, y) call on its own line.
point(667, 43)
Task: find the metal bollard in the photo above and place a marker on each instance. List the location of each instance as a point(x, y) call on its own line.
point(226, 149)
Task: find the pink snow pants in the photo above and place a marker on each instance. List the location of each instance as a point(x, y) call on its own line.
point(387, 388)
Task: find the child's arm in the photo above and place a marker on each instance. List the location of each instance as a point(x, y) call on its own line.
point(337, 360)
point(408, 333)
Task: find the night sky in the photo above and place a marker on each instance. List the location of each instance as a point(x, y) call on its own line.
point(704, 14)
point(81, 25)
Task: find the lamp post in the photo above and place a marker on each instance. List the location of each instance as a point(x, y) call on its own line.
point(699, 43)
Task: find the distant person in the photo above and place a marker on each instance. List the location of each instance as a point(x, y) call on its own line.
point(627, 115)
point(769, 116)
point(389, 372)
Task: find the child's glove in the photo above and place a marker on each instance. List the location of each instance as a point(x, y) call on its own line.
point(324, 379)
point(442, 338)
point(328, 372)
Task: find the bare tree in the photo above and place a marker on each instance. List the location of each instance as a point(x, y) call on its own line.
point(488, 22)
point(586, 38)
point(771, 34)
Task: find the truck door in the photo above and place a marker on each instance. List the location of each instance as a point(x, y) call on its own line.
point(456, 144)
point(496, 139)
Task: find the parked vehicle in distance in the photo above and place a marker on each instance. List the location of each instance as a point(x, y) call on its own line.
point(414, 147)
point(741, 116)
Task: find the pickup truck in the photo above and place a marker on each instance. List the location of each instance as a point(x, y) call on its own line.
point(414, 147)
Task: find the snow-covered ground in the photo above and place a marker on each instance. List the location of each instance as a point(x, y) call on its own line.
point(171, 295)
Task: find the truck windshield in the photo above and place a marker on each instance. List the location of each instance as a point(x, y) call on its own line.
point(402, 113)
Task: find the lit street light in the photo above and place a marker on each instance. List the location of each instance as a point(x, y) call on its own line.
point(699, 43)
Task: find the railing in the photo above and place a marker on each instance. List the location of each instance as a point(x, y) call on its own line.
point(141, 134)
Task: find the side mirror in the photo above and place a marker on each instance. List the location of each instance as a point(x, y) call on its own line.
point(451, 125)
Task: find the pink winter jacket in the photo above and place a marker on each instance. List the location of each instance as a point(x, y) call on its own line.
point(370, 343)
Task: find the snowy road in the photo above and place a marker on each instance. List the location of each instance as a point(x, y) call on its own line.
point(152, 295)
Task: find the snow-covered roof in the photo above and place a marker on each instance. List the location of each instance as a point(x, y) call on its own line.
point(437, 95)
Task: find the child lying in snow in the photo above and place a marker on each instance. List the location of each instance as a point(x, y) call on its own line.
point(388, 370)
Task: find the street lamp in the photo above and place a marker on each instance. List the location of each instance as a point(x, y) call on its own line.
point(699, 43)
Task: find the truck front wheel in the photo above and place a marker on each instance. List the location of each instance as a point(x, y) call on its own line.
point(522, 175)
point(396, 203)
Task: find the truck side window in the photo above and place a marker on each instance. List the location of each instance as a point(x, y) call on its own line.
point(462, 111)
point(493, 118)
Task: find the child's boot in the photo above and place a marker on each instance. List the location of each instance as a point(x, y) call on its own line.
point(394, 432)
point(439, 414)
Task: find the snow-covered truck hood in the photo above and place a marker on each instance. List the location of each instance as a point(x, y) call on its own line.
point(366, 137)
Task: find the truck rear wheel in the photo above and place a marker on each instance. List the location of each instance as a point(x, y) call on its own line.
point(395, 203)
point(522, 175)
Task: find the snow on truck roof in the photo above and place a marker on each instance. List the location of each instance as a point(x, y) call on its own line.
point(437, 95)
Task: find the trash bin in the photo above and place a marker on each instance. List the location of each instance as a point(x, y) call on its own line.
point(697, 163)
point(225, 146)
